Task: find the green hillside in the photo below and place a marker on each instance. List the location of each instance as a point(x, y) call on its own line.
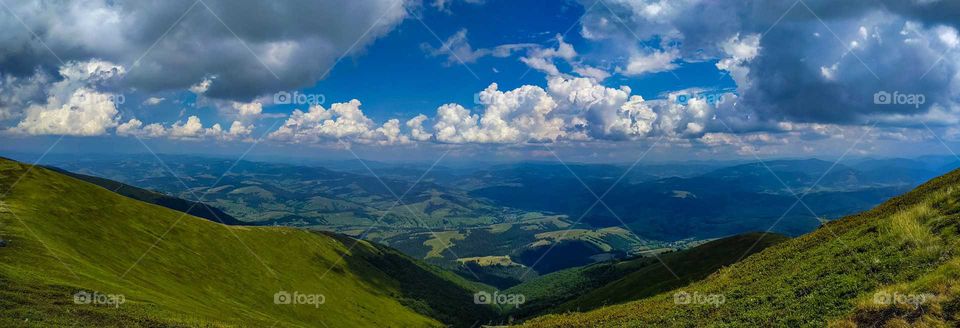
point(893, 266)
point(199, 210)
point(606, 283)
point(61, 236)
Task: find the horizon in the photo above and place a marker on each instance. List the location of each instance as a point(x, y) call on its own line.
point(447, 161)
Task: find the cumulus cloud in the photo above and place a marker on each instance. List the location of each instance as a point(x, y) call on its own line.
point(190, 130)
point(570, 108)
point(248, 110)
point(342, 122)
point(601, 112)
point(265, 46)
point(73, 105)
point(520, 115)
point(417, 131)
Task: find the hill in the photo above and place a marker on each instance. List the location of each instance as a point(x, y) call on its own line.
point(75, 254)
point(606, 283)
point(893, 266)
point(197, 209)
point(303, 196)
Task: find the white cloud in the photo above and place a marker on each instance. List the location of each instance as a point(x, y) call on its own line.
point(542, 64)
point(591, 72)
point(153, 101)
point(541, 59)
point(73, 105)
point(652, 62)
point(602, 112)
point(458, 50)
point(740, 51)
point(342, 122)
point(417, 131)
point(570, 109)
point(193, 129)
point(132, 127)
point(201, 87)
point(520, 115)
point(248, 110)
point(238, 130)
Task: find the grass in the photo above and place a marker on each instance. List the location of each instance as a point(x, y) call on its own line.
point(825, 278)
point(441, 241)
point(66, 236)
point(606, 283)
point(489, 261)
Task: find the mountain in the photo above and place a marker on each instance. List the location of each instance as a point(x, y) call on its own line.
point(613, 282)
point(72, 252)
point(437, 223)
point(200, 210)
point(721, 202)
point(281, 194)
point(895, 265)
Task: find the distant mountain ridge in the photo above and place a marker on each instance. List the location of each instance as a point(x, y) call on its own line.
point(718, 202)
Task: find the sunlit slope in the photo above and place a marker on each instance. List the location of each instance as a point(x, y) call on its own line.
point(843, 274)
point(65, 236)
point(607, 283)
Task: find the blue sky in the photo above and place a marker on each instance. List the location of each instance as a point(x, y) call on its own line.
point(406, 80)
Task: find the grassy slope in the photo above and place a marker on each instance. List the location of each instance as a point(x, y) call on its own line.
point(828, 277)
point(690, 265)
point(193, 208)
point(199, 274)
point(607, 283)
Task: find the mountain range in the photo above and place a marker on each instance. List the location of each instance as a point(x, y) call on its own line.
point(77, 253)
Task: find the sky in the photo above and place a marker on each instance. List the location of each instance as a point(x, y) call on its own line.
point(585, 80)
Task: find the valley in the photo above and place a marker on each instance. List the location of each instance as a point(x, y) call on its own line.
point(233, 275)
point(538, 217)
